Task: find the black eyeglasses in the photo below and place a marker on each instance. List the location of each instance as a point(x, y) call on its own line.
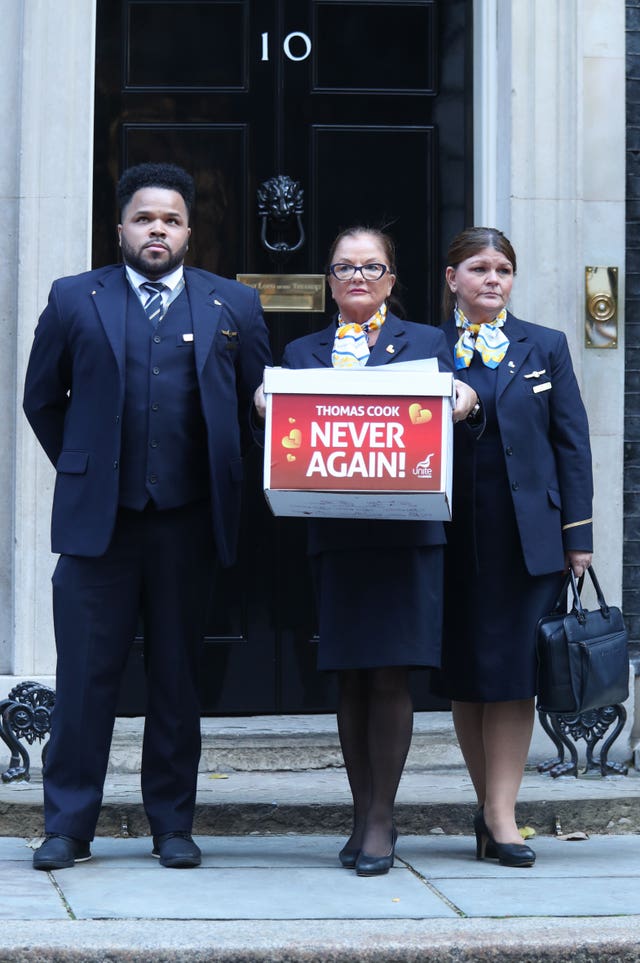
point(370, 272)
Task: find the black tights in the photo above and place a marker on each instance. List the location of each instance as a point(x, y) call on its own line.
point(375, 723)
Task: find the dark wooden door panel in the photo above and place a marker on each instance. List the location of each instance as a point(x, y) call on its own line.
point(367, 104)
point(350, 174)
point(178, 45)
point(375, 48)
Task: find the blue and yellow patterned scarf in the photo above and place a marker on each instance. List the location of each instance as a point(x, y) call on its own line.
point(350, 348)
point(487, 339)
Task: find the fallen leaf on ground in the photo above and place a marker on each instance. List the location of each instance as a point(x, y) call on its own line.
point(35, 843)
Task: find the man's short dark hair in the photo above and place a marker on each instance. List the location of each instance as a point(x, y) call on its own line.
point(168, 176)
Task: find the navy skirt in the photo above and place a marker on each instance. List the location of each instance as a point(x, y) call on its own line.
point(379, 609)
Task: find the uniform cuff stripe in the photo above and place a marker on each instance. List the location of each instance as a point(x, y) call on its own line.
point(586, 521)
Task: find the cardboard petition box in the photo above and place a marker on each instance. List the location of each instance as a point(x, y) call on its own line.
point(366, 443)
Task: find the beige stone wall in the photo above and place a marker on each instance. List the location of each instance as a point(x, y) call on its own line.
point(549, 142)
point(48, 66)
point(10, 46)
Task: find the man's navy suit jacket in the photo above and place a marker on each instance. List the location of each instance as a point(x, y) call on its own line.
point(75, 390)
point(545, 439)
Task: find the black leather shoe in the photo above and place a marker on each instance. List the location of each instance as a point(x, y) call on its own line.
point(490, 848)
point(176, 850)
point(377, 865)
point(61, 852)
point(348, 857)
point(507, 854)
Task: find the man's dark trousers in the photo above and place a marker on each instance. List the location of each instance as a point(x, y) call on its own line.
point(160, 563)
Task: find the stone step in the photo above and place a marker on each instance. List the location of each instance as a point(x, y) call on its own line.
point(285, 774)
point(318, 801)
point(307, 742)
point(285, 743)
point(510, 940)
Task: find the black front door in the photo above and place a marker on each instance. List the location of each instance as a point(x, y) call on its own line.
point(366, 104)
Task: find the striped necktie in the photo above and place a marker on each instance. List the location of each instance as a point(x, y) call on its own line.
point(153, 307)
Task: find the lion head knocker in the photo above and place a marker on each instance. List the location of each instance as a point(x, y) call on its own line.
point(280, 199)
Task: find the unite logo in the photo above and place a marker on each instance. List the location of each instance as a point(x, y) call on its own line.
point(423, 468)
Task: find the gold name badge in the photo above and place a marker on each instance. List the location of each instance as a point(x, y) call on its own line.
point(287, 292)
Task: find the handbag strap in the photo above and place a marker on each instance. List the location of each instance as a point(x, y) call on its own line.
point(599, 594)
point(560, 604)
point(576, 588)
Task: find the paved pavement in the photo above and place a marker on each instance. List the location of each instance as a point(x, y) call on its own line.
point(286, 898)
point(271, 889)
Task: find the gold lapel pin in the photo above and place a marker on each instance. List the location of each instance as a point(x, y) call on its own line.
point(229, 334)
point(536, 374)
point(219, 303)
point(390, 349)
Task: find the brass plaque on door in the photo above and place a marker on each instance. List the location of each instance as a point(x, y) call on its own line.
point(287, 292)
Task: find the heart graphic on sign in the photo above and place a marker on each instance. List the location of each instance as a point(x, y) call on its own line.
point(291, 457)
point(293, 439)
point(419, 415)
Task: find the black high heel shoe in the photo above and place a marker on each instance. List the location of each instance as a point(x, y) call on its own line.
point(507, 854)
point(478, 824)
point(377, 865)
point(348, 857)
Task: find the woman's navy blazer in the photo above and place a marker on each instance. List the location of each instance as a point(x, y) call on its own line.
point(545, 440)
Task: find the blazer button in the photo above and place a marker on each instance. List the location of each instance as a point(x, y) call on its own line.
point(515, 486)
point(153, 479)
point(153, 443)
point(157, 339)
point(156, 370)
point(509, 450)
point(115, 464)
point(155, 406)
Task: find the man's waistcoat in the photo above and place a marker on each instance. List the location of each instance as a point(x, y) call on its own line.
point(164, 446)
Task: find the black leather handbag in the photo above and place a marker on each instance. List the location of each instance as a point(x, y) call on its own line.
point(583, 657)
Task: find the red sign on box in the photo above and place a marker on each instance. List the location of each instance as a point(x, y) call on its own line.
point(370, 443)
point(390, 443)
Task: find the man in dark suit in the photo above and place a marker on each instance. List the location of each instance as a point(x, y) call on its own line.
point(138, 384)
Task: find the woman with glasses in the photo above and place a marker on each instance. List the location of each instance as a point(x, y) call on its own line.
point(378, 583)
point(521, 514)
